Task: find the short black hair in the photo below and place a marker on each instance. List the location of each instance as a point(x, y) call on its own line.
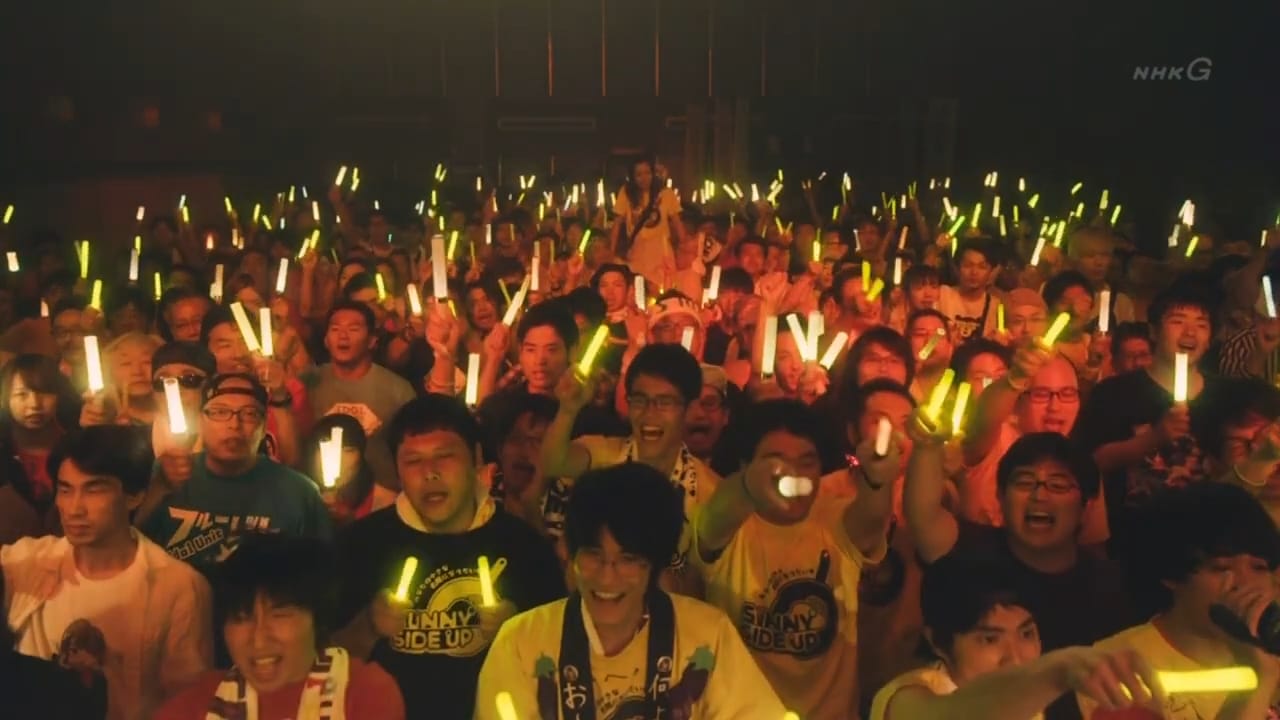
point(749, 240)
point(966, 353)
point(927, 312)
point(359, 281)
point(670, 362)
point(215, 316)
point(1230, 404)
point(555, 314)
point(588, 303)
point(126, 296)
point(370, 321)
point(1127, 331)
point(982, 246)
point(119, 451)
point(637, 504)
point(960, 588)
point(858, 403)
point(607, 268)
point(1035, 447)
point(921, 274)
point(887, 338)
point(791, 416)
point(1058, 285)
point(1185, 527)
point(1181, 294)
point(737, 279)
point(41, 374)
point(433, 412)
point(289, 570)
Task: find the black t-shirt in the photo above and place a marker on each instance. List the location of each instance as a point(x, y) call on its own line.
point(1081, 606)
point(1118, 409)
point(437, 658)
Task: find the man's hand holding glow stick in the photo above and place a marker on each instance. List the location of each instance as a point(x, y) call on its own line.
point(593, 349)
point(93, 363)
point(173, 403)
point(246, 328)
point(1055, 330)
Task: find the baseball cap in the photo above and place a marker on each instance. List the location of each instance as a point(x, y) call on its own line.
point(184, 353)
point(214, 388)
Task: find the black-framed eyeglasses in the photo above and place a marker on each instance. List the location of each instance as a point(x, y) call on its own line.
point(188, 381)
point(664, 403)
point(1055, 485)
point(1041, 396)
point(250, 414)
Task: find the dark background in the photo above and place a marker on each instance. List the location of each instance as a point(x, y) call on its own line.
point(108, 105)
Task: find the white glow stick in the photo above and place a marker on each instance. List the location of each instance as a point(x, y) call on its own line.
point(833, 351)
point(93, 363)
point(797, 332)
point(714, 291)
point(770, 345)
point(282, 276)
point(133, 265)
point(415, 300)
point(640, 293)
point(173, 401)
point(342, 175)
point(268, 342)
point(516, 303)
point(217, 281)
point(406, 578)
point(1035, 256)
point(686, 338)
point(507, 706)
point(439, 271)
point(473, 379)
point(1104, 312)
point(331, 458)
point(1180, 378)
point(142, 212)
point(884, 431)
point(246, 329)
point(817, 328)
point(897, 272)
point(13, 261)
point(535, 268)
point(44, 309)
point(487, 597)
point(1269, 295)
point(791, 486)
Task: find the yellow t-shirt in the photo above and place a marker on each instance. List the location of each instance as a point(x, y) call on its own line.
point(793, 593)
point(713, 674)
point(652, 245)
point(933, 678)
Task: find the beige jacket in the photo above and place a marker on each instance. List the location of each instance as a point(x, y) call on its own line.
point(176, 614)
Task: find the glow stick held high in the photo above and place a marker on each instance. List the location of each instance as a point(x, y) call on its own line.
point(1269, 296)
point(487, 597)
point(939, 395)
point(8, 214)
point(264, 323)
point(897, 272)
point(833, 350)
point(797, 332)
point(133, 265)
point(884, 432)
point(1104, 311)
point(1180, 378)
point(406, 579)
point(957, 412)
point(95, 299)
point(246, 329)
point(770, 346)
point(593, 349)
point(1035, 256)
point(173, 402)
point(93, 363)
point(13, 261)
point(439, 271)
point(282, 276)
point(473, 379)
point(1055, 330)
point(516, 303)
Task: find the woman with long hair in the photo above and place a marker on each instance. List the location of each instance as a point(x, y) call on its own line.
point(649, 225)
point(37, 407)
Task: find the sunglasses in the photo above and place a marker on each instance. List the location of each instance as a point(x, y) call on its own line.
point(190, 381)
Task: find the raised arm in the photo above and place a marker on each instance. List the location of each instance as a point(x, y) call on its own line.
point(998, 401)
point(866, 519)
point(933, 528)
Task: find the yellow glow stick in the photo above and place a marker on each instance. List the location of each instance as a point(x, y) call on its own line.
point(995, 207)
point(1015, 215)
point(817, 250)
point(770, 345)
point(1003, 230)
point(487, 598)
point(186, 215)
point(1217, 680)
point(1059, 233)
point(866, 275)
point(785, 716)
point(1076, 188)
point(1000, 317)
point(1035, 256)
point(83, 255)
point(877, 287)
point(1115, 215)
point(1269, 296)
point(264, 322)
point(977, 215)
point(835, 213)
point(931, 344)
point(93, 363)
point(955, 228)
point(95, 300)
point(962, 401)
point(159, 290)
point(8, 214)
point(246, 329)
point(473, 379)
point(173, 401)
point(939, 395)
point(1059, 324)
point(516, 303)
point(439, 270)
point(342, 175)
point(507, 707)
point(406, 577)
point(415, 301)
point(133, 265)
point(1191, 246)
point(382, 286)
point(586, 240)
point(1035, 200)
point(833, 350)
point(593, 349)
point(1180, 378)
point(13, 261)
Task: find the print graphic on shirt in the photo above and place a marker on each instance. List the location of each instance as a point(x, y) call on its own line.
point(626, 701)
point(367, 418)
point(1173, 465)
point(221, 531)
point(449, 622)
point(83, 648)
point(795, 613)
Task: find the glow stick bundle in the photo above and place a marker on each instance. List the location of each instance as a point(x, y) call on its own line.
point(173, 402)
point(439, 271)
point(593, 349)
point(487, 596)
point(1180, 378)
point(246, 329)
point(939, 395)
point(93, 363)
point(268, 341)
point(1104, 311)
point(516, 303)
point(640, 293)
point(473, 379)
point(1269, 296)
point(770, 345)
point(331, 458)
point(406, 579)
point(13, 261)
point(1055, 330)
point(884, 431)
point(931, 344)
point(957, 412)
point(833, 350)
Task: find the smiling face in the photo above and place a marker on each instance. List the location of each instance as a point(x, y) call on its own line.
point(613, 584)
point(704, 421)
point(1184, 328)
point(657, 413)
point(1042, 506)
point(438, 475)
point(272, 644)
point(796, 456)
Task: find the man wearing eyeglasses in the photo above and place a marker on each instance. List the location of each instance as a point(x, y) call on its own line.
point(707, 416)
point(661, 383)
point(199, 504)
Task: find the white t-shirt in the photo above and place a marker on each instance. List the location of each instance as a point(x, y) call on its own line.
point(95, 623)
point(966, 316)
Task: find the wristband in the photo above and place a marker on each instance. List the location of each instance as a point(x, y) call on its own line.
point(286, 401)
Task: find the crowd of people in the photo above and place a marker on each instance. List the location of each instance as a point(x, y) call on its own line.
point(552, 452)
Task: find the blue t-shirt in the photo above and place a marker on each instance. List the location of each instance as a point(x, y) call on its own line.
point(203, 520)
